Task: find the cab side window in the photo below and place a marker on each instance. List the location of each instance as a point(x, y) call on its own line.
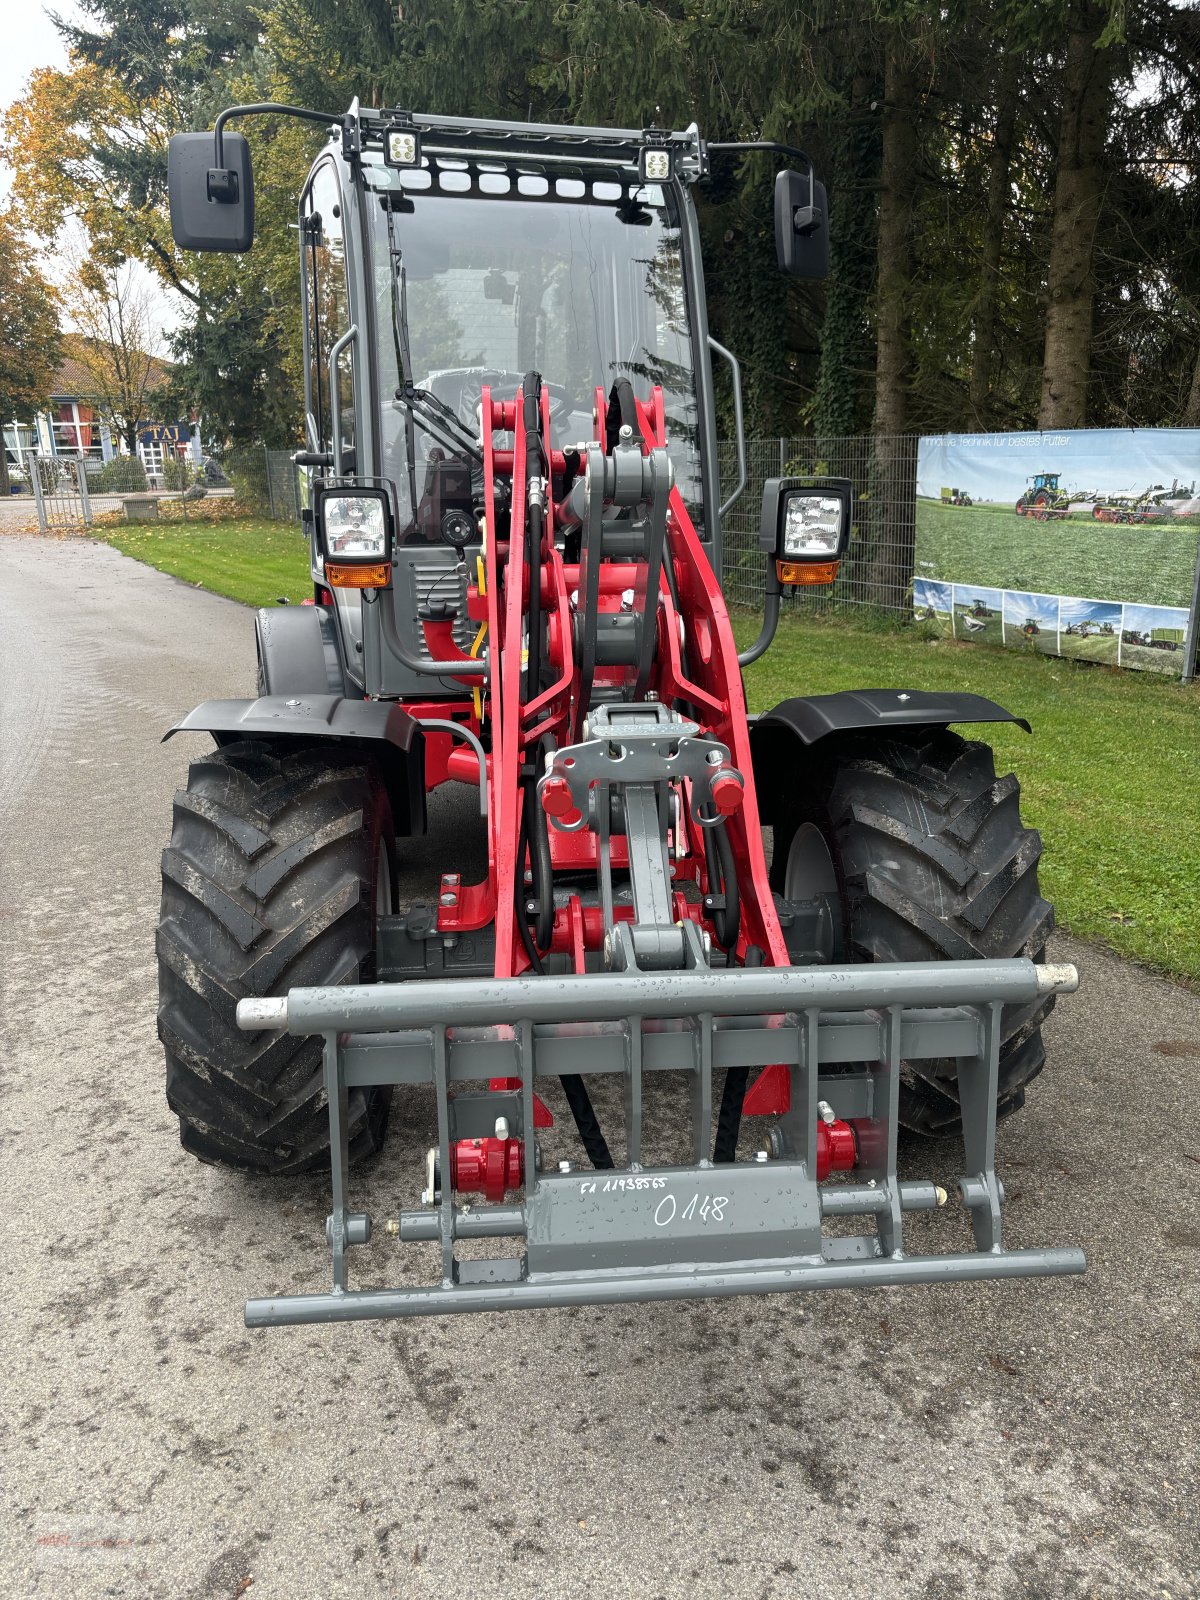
point(327, 310)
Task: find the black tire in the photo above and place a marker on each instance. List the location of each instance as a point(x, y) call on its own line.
point(931, 862)
point(271, 880)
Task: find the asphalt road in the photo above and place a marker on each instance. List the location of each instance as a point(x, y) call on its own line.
point(1022, 1439)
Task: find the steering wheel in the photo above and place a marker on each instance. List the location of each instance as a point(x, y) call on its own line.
point(473, 381)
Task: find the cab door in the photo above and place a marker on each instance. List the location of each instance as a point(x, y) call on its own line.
point(330, 384)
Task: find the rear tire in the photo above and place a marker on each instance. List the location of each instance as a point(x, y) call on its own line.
point(931, 862)
point(280, 860)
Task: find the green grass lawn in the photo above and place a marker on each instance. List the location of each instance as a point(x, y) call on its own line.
point(1111, 774)
point(1152, 565)
point(248, 559)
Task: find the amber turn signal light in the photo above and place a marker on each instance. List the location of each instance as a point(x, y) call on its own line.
point(806, 572)
point(341, 575)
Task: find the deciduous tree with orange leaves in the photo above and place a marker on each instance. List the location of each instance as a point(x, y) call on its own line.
point(30, 342)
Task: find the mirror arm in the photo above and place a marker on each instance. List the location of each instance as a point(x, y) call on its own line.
point(264, 108)
point(780, 149)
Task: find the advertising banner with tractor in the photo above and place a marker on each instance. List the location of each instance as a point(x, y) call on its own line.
point(1092, 519)
point(1148, 637)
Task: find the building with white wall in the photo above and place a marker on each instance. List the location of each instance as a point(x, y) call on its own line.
point(72, 425)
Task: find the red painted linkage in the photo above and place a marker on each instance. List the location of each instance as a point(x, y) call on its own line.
point(837, 1150)
point(695, 664)
point(490, 1166)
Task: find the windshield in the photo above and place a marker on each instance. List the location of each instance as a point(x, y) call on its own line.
point(482, 276)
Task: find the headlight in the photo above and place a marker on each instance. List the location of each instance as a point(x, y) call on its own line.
point(806, 527)
point(355, 528)
point(812, 526)
point(402, 146)
point(356, 537)
point(654, 164)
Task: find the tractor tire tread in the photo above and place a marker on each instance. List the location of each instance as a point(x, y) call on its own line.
point(933, 863)
point(269, 881)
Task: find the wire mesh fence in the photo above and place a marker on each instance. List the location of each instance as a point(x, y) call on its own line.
point(265, 481)
point(878, 569)
point(876, 573)
point(897, 538)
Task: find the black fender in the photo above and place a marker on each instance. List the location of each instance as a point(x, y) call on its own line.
point(808, 719)
point(298, 651)
point(380, 728)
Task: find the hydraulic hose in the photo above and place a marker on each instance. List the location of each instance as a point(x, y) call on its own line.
point(527, 939)
point(621, 401)
point(537, 836)
point(729, 887)
point(533, 673)
point(586, 1121)
point(729, 1118)
point(668, 566)
point(574, 1088)
point(718, 855)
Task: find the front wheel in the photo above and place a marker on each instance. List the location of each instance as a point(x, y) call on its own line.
point(281, 861)
point(926, 850)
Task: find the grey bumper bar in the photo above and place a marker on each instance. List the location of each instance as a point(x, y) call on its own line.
point(755, 1278)
point(609, 997)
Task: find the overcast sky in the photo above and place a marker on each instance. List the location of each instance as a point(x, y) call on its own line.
point(31, 40)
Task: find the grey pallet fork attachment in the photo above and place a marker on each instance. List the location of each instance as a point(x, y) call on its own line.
point(672, 1232)
point(381, 729)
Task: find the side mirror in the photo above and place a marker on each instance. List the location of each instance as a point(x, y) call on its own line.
point(212, 208)
point(801, 226)
point(806, 527)
point(497, 287)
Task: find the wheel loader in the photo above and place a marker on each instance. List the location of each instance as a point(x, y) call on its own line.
point(762, 947)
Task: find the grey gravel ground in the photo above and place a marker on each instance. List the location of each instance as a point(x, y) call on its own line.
point(1025, 1439)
